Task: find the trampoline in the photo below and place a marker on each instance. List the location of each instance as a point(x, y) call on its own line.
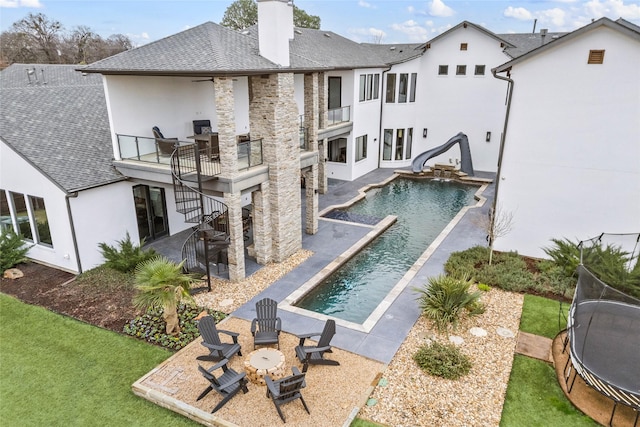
point(603, 333)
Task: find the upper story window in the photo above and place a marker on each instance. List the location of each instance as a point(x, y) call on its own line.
point(412, 94)
point(463, 46)
point(479, 70)
point(596, 57)
point(443, 70)
point(391, 88)
point(369, 87)
point(403, 87)
point(461, 70)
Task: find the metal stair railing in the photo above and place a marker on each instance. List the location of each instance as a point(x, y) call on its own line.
point(210, 238)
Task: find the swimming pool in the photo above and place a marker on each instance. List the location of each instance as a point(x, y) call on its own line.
point(423, 209)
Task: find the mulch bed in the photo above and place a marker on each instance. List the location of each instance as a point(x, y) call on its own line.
point(57, 291)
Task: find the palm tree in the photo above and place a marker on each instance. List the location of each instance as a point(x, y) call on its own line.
point(163, 285)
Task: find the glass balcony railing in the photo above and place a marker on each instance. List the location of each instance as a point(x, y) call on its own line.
point(338, 115)
point(249, 154)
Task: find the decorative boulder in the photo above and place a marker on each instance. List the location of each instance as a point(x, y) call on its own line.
point(13, 273)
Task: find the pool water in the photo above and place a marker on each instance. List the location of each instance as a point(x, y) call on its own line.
point(424, 208)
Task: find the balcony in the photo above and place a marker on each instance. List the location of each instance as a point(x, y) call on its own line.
point(338, 115)
point(155, 152)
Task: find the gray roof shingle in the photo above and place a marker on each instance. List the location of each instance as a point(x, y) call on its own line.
point(60, 127)
point(525, 42)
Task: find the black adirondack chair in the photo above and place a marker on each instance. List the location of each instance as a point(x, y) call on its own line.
point(286, 390)
point(266, 327)
point(211, 340)
point(314, 355)
point(227, 385)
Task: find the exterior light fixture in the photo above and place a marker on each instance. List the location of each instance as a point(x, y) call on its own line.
point(424, 132)
point(488, 137)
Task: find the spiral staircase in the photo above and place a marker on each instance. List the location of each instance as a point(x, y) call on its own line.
point(207, 244)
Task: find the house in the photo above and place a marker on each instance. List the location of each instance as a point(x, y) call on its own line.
point(570, 162)
point(59, 187)
point(212, 132)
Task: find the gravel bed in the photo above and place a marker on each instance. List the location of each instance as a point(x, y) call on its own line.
point(415, 398)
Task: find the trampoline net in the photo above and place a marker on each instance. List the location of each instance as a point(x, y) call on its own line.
point(604, 325)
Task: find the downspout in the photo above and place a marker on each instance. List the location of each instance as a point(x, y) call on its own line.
point(73, 229)
point(380, 139)
point(502, 141)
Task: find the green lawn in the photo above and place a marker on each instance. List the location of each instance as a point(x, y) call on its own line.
point(58, 371)
point(534, 397)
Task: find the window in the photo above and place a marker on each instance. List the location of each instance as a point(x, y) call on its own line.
point(5, 215)
point(461, 70)
point(391, 88)
point(361, 147)
point(479, 70)
point(412, 94)
point(463, 46)
point(596, 57)
point(376, 86)
point(443, 70)
point(337, 150)
point(403, 86)
point(42, 223)
point(399, 144)
point(409, 141)
point(22, 216)
point(335, 92)
point(369, 87)
point(388, 141)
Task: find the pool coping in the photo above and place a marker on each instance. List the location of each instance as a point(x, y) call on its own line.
point(288, 303)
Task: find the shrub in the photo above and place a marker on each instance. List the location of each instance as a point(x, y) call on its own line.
point(13, 250)
point(444, 299)
point(127, 257)
point(442, 360)
point(150, 326)
point(565, 254)
point(484, 287)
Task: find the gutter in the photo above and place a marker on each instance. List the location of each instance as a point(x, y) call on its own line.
point(73, 229)
point(502, 140)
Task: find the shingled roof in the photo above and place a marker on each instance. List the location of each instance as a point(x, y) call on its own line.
point(58, 123)
point(211, 49)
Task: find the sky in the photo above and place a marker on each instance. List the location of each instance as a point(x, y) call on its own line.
point(370, 21)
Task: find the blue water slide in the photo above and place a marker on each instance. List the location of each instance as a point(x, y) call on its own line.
point(466, 165)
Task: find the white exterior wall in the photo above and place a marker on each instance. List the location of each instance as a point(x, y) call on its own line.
point(298, 92)
point(366, 121)
point(446, 105)
point(136, 104)
point(571, 165)
point(336, 170)
point(21, 177)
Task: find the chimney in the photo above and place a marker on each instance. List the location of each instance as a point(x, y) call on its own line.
point(275, 29)
point(543, 34)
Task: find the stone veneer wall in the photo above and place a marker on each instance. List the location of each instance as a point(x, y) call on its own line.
point(311, 176)
point(273, 116)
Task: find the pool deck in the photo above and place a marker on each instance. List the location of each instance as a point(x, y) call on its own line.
point(383, 336)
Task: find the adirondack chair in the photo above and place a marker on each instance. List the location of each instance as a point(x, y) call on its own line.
point(227, 385)
point(286, 390)
point(266, 327)
point(315, 354)
point(211, 340)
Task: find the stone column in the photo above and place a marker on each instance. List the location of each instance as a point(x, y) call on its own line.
point(273, 117)
point(261, 224)
point(223, 88)
point(236, 248)
point(311, 118)
point(323, 184)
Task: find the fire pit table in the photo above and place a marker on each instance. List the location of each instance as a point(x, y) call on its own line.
point(264, 361)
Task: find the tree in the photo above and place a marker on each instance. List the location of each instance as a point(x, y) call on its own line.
point(41, 35)
point(163, 285)
point(243, 14)
point(497, 224)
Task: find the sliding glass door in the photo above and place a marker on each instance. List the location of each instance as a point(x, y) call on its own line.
point(151, 212)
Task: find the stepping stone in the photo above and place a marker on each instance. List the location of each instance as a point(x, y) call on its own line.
point(505, 333)
point(534, 346)
point(226, 302)
point(478, 332)
point(456, 339)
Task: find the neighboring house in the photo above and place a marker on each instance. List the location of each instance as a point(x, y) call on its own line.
point(571, 156)
point(58, 186)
